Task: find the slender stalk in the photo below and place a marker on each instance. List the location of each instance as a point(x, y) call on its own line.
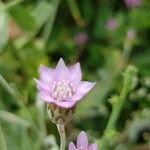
point(76, 12)
point(121, 100)
point(112, 79)
point(62, 133)
point(117, 107)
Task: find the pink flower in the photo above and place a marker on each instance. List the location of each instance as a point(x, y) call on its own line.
point(62, 85)
point(133, 3)
point(82, 143)
point(131, 34)
point(112, 24)
point(81, 38)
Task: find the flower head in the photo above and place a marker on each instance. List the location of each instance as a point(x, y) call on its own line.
point(82, 143)
point(62, 85)
point(131, 34)
point(81, 38)
point(112, 24)
point(133, 3)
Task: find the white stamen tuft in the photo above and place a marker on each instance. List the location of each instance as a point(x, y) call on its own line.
point(63, 90)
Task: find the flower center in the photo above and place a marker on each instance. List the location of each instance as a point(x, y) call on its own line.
point(82, 148)
point(62, 90)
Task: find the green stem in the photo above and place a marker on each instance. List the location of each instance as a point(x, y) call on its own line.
point(62, 133)
point(76, 12)
point(117, 107)
point(113, 79)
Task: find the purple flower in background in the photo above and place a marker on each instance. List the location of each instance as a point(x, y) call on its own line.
point(133, 3)
point(112, 24)
point(82, 143)
point(62, 85)
point(131, 34)
point(81, 38)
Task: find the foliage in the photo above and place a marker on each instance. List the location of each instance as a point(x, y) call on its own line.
point(40, 32)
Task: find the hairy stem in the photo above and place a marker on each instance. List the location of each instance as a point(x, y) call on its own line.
point(62, 133)
point(117, 107)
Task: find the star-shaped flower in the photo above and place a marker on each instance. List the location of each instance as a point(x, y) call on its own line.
point(62, 85)
point(82, 143)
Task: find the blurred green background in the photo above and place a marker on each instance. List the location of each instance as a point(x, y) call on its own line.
point(105, 36)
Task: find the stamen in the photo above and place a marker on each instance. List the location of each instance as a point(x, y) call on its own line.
point(63, 90)
point(81, 148)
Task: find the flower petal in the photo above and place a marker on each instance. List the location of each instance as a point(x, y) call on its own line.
point(93, 147)
point(46, 96)
point(61, 71)
point(65, 104)
point(72, 146)
point(82, 90)
point(43, 85)
point(82, 140)
point(75, 73)
point(46, 74)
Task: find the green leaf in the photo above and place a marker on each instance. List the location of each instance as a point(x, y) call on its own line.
point(2, 140)
point(42, 16)
point(13, 119)
point(141, 60)
point(4, 23)
point(8, 94)
point(140, 19)
point(24, 19)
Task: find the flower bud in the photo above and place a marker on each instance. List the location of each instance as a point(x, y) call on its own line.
point(60, 115)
